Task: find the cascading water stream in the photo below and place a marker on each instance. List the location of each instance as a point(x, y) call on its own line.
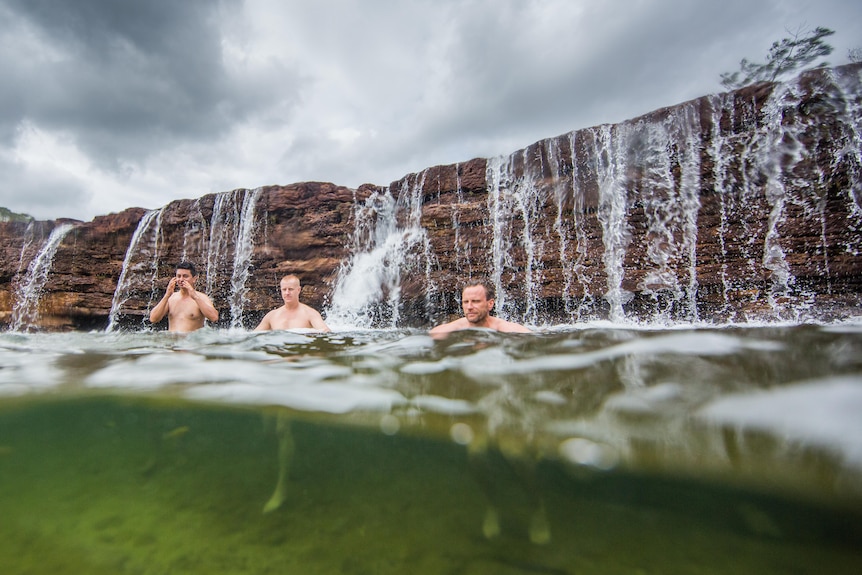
point(370, 275)
point(669, 194)
point(387, 246)
point(576, 271)
point(26, 309)
point(242, 257)
point(773, 166)
point(29, 234)
point(516, 198)
point(850, 156)
point(611, 213)
point(141, 259)
point(463, 260)
point(499, 209)
point(195, 236)
point(721, 105)
point(565, 222)
point(223, 227)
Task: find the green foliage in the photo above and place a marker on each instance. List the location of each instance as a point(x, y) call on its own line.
point(7, 215)
point(790, 54)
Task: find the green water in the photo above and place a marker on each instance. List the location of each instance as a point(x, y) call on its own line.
point(121, 485)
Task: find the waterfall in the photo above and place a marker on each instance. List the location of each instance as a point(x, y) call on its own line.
point(848, 87)
point(223, 228)
point(721, 106)
point(463, 260)
point(516, 198)
point(850, 158)
point(229, 225)
point(728, 208)
point(242, 257)
point(29, 235)
point(676, 216)
point(499, 209)
point(776, 150)
point(388, 248)
point(576, 272)
point(609, 157)
point(565, 222)
point(195, 235)
point(669, 194)
point(141, 259)
point(26, 309)
point(232, 223)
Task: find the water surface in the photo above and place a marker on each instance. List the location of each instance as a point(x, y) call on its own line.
point(602, 449)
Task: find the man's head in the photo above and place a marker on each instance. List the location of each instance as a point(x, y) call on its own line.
point(477, 300)
point(290, 288)
point(490, 292)
point(186, 273)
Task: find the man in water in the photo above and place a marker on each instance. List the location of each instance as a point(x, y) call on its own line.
point(185, 307)
point(293, 314)
point(477, 301)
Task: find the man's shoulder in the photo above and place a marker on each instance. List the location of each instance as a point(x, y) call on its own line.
point(308, 309)
point(205, 296)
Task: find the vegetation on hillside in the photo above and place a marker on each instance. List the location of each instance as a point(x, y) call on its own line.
point(7, 215)
point(786, 56)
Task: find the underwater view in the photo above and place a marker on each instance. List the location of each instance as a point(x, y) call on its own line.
point(689, 400)
point(601, 449)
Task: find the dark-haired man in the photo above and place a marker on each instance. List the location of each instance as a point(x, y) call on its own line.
point(477, 301)
point(185, 307)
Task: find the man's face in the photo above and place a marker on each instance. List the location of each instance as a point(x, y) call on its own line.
point(185, 279)
point(290, 290)
point(475, 304)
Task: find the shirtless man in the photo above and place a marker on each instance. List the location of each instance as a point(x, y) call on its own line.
point(186, 308)
point(477, 300)
point(293, 314)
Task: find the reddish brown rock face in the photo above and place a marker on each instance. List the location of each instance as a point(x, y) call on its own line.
point(730, 207)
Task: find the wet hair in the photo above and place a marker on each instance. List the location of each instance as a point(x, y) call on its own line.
point(188, 266)
point(490, 292)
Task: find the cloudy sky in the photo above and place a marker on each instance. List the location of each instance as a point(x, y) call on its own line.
point(110, 104)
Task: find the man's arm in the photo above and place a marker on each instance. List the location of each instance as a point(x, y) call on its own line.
point(444, 328)
point(158, 312)
point(206, 306)
point(316, 320)
point(265, 324)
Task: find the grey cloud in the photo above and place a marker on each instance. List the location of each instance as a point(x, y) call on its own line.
point(147, 92)
point(135, 77)
point(46, 195)
point(513, 83)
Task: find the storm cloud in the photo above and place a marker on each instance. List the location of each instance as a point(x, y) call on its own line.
point(109, 104)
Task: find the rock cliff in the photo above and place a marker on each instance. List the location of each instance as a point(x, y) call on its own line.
point(736, 206)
